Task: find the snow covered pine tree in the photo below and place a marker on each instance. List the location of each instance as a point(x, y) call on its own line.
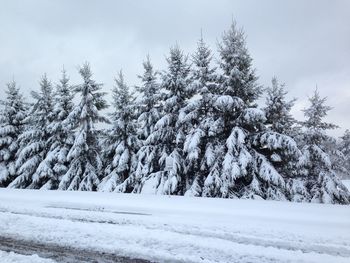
point(344, 148)
point(199, 119)
point(149, 108)
point(34, 142)
point(277, 110)
point(243, 165)
point(121, 143)
point(60, 140)
point(11, 127)
point(279, 119)
point(321, 182)
point(85, 166)
point(168, 132)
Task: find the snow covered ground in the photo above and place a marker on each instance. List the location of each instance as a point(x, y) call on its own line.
point(10, 257)
point(177, 229)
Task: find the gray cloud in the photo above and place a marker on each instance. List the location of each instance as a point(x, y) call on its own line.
point(303, 43)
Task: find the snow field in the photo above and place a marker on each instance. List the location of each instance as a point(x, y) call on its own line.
point(179, 229)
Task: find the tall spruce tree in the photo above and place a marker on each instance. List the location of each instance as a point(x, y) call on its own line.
point(199, 118)
point(245, 150)
point(150, 111)
point(121, 143)
point(168, 132)
point(34, 140)
point(279, 119)
point(12, 117)
point(60, 140)
point(322, 183)
point(85, 164)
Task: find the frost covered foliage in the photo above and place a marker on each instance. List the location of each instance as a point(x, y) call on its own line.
point(169, 134)
point(340, 155)
point(321, 182)
point(246, 150)
point(149, 112)
point(238, 79)
point(121, 144)
point(148, 103)
point(60, 140)
point(84, 156)
point(277, 110)
point(11, 127)
point(33, 141)
point(280, 120)
point(198, 115)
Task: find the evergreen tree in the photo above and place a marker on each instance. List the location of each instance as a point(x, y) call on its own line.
point(198, 116)
point(344, 160)
point(280, 120)
point(337, 158)
point(148, 104)
point(243, 163)
point(61, 138)
point(149, 113)
point(121, 143)
point(34, 140)
point(84, 156)
point(277, 110)
point(11, 127)
point(239, 79)
point(322, 183)
point(168, 132)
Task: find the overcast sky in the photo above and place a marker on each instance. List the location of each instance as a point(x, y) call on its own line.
point(303, 43)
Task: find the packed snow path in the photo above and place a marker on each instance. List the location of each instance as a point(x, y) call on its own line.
point(174, 229)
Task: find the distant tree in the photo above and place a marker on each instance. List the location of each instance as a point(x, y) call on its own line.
point(344, 149)
point(121, 143)
point(322, 183)
point(337, 158)
point(85, 164)
point(33, 141)
point(12, 117)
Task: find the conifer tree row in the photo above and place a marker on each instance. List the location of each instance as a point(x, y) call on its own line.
point(195, 129)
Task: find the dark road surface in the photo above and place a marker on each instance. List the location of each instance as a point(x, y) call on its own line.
point(61, 253)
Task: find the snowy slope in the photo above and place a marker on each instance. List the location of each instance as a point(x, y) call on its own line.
point(179, 229)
